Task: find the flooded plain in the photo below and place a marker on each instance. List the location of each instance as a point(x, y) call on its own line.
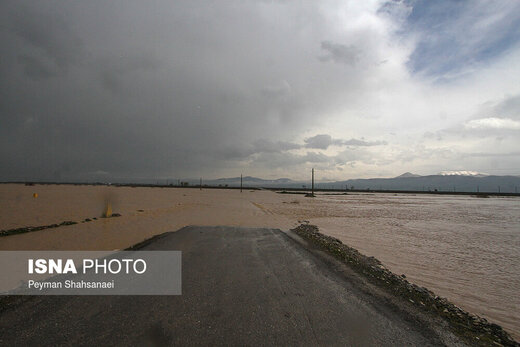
point(461, 247)
point(464, 248)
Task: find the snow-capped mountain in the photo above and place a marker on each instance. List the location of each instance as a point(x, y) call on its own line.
point(463, 173)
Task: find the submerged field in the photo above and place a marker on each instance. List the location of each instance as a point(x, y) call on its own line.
point(464, 248)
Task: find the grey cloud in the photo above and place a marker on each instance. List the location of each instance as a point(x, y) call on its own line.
point(277, 90)
point(47, 30)
point(272, 147)
point(258, 146)
point(507, 108)
point(312, 157)
point(494, 119)
point(422, 152)
point(356, 142)
point(261, 149)
point(323, 141)
point(34, 68)
point(432, 135)
point(339, 53)
point(114, 71)
point(350, 156)
point(515, 154)
point(186, 98)
point(285, 159)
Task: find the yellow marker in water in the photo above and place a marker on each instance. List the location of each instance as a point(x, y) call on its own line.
point(35, 195)
point(108, 210)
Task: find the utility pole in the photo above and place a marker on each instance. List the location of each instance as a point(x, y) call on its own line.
point(240, 183)
point(312, 192)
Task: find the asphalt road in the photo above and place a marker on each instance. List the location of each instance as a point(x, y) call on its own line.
point(240, 287)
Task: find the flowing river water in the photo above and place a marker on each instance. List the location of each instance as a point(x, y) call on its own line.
point(464, 248)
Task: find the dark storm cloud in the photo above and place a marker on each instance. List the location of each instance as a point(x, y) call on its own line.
point(137, 90)
point(156, 89)
point(45, 30)
point(34, 68)
point(116, 72)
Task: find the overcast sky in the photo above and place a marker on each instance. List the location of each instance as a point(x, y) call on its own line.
point(161, 89)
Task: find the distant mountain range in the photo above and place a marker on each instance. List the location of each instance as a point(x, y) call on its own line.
point(446, 181)
point(440, 182)
point(458, 181)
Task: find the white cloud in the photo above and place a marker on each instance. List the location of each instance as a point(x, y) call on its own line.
point(493, 123)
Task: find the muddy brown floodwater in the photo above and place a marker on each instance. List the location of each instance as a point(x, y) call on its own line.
point(461, 247)
point(464, 248)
